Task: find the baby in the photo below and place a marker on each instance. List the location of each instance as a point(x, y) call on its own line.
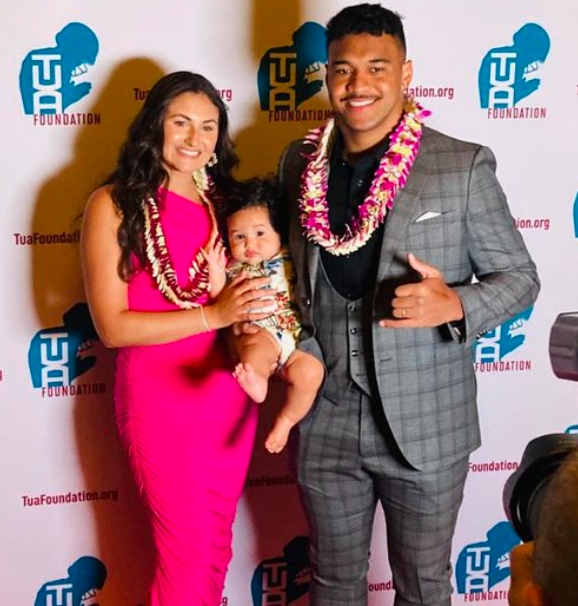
point(254, 243)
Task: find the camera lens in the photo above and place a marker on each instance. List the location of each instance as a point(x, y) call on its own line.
point(525, 488)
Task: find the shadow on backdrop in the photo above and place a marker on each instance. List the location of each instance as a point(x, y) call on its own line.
point(271, 496)
point(121, 528)
point(289, 57)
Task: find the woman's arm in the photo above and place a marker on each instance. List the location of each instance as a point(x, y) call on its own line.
point(107, 293)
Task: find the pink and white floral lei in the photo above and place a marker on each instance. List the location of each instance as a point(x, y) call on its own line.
point(389, 178)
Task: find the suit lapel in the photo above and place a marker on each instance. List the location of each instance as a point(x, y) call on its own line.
point(306, 254)
point(403, 213)
point(312, 252)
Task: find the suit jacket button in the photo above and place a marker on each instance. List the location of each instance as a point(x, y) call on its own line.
point(305, 302)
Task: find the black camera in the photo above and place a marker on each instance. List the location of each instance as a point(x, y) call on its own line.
point(525, 488)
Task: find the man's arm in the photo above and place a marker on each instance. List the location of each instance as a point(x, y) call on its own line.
point(506, 279)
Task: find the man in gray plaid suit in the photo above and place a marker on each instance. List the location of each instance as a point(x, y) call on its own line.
point(390, 221)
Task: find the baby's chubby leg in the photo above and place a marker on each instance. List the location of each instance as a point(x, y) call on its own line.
point(258, 354)
point(303, 373)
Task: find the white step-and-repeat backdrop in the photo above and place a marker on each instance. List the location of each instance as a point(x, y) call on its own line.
point(74, 74)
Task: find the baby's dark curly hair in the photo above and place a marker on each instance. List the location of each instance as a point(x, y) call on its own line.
point(256, 192)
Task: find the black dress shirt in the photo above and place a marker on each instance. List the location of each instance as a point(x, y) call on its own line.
point(351, 275)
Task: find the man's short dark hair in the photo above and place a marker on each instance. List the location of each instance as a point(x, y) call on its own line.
point(556, 548)
point(371, 19)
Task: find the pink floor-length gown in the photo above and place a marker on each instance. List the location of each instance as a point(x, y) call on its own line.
point(188, 429)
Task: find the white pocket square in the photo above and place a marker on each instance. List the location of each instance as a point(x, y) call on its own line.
point(429, 215)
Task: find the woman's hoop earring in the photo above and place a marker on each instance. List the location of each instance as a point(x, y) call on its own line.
point(212, 160)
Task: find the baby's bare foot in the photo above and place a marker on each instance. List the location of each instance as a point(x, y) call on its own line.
point(253, 384)
point(278, 436)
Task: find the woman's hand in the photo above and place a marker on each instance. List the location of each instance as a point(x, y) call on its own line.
point(237, 300)
point(215, 256)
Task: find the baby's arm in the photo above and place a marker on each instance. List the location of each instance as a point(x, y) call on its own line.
point(214, 254)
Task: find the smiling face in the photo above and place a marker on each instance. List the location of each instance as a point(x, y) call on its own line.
point(190, 131)
point(367, 77)
point(252, 238)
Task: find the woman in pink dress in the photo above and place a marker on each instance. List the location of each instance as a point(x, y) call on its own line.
point(187, 426)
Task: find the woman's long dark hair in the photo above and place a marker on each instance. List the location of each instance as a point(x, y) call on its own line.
point(139, 170)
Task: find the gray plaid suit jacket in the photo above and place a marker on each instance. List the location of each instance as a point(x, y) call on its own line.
point(452, 214)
